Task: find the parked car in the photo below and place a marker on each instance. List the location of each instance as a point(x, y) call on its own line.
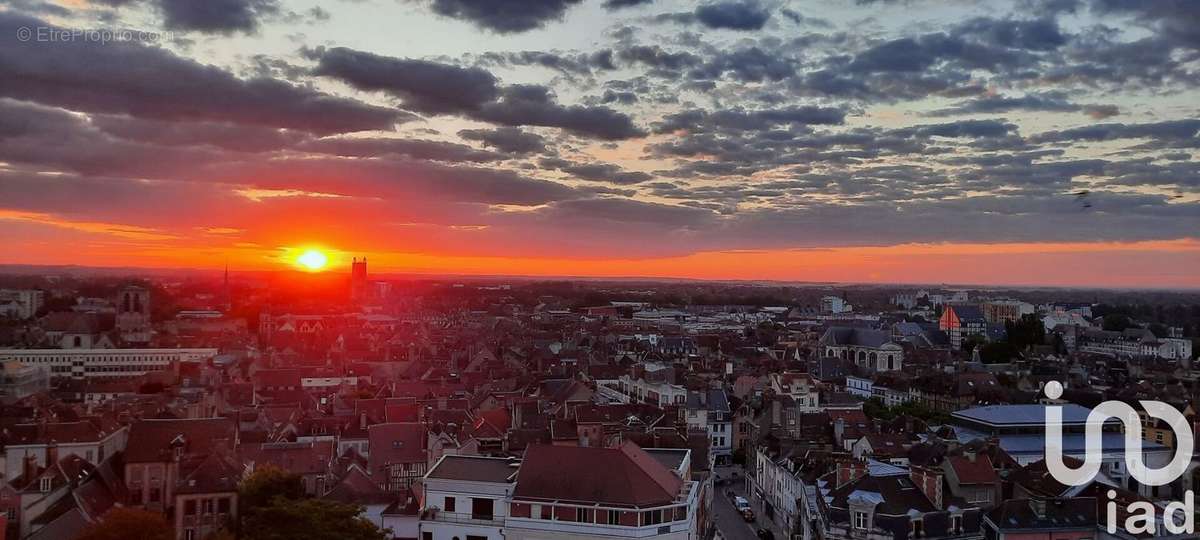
point(743, 506)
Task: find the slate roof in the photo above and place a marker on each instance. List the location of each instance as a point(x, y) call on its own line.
point(857, 337)
point(474, 468)
point(1060, 514)
point(893, 492)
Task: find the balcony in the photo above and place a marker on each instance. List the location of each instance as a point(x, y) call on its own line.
point(434, 514)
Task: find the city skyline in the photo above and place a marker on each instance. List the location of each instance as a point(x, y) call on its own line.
point(1009, 143)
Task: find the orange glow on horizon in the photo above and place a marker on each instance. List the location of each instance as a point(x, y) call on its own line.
point(1152, 264)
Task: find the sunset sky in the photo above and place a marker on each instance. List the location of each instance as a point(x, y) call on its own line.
point(990, 142)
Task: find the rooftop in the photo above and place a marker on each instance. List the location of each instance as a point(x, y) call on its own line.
point(474, 469)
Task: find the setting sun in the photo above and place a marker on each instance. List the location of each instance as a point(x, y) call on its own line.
point(312, 260)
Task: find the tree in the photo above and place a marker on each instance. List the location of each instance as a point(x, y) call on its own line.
point(311, 519)
point(1159, 330)
point(1116, 322)
point(998, 352)
point(1026, 331)
point(265, 484)
point(129, 524)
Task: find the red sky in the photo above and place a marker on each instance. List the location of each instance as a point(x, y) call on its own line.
point(976, 143)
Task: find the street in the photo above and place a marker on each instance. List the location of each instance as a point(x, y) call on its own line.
point(728, 520)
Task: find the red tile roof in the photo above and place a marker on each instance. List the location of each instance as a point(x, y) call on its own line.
point(624, 476)
point(151, 440)
point(399, 442)
point(979, 471)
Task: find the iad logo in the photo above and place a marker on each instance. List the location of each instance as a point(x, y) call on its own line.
point(1141, 519)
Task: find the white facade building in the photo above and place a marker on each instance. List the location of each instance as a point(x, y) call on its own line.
point(105, 363)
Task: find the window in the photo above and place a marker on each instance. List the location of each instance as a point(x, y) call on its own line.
point(223, 505)
point(189, 508)
point(547, 512)
point(956, 524)
point(449, 506)
point(189, 534)
point(581, 515)
point(208, 506)
point(918, 528)
point(482, 508)
point(426, 535)
point(860, 520)
point(44, 484)
point(154, 494)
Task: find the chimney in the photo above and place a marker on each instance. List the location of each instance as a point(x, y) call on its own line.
point(850, 470)
point(929, 481)
point(51, 454)
point(30, 467)
point(362, 420)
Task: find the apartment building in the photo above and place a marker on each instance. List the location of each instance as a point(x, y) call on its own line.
point(564, 492)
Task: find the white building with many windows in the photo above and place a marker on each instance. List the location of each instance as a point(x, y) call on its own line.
point(105, 363)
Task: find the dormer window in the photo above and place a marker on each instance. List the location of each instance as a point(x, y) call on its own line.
point(44, 484)
point(918, 528)
point(860, 520)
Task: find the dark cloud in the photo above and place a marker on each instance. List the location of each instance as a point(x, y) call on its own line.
point(962, 128)
point(215, 16)
point(622, 210)
point(796, 17)
point(1036, 35)
point(412, 148)
point(433, 87)
point(738, 119)
point(503, 16)
point(621, 4)
point(1052, 101)
point(657, 59)
point(1177, 20)
point(507, 139)
point(568, 64)
point(1180, 133)
point(423, 86)
point(534, 105)
point(1100, 112)
point(149, 82)
point(224, 135)
point(924, 52)
point(733, 15)
point(596, 172)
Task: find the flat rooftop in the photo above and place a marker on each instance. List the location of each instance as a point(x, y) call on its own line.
point(1021, 415)
point(474, 469)
point(671, 458)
